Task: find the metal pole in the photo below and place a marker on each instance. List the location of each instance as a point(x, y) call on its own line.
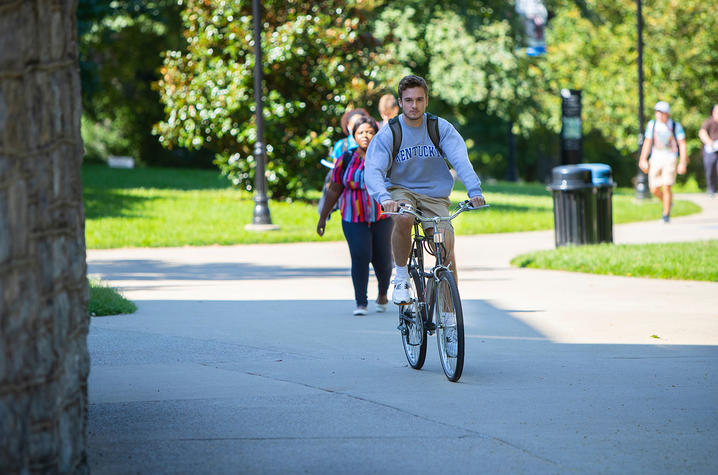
point(512, 172)
point(642, 191)
point(261, 204)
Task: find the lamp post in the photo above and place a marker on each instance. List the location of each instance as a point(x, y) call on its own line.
point(261, 220)
point(642, 191)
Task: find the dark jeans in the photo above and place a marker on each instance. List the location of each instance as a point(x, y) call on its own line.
point(710, 164)
point(369, 242)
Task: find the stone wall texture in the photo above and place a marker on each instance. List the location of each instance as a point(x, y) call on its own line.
point(44, 361)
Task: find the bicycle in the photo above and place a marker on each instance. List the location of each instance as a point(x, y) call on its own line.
point(416, 318)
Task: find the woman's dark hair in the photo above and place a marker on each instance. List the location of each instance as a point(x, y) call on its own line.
point(412, 80)
point(365, 120)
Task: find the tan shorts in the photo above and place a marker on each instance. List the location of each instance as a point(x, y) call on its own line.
point(426, 205)
point(662, 170)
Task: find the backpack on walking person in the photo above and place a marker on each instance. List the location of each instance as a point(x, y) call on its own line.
point(328, 179)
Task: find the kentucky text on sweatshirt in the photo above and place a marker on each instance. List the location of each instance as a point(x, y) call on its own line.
point(418, 166)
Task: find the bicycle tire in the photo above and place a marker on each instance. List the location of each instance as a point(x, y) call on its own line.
point(414, 338)
point(447, 304)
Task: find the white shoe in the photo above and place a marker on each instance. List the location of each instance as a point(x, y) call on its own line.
point(381, 307)
point(359, 312)
point(452, 346)
point(401, 296)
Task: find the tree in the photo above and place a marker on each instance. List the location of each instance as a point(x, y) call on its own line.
point(44, 362)
point(592, 47)
point(317, 60)
point(468, 52)
point(120, 44)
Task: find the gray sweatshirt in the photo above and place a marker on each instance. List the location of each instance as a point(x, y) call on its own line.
point(418, 166)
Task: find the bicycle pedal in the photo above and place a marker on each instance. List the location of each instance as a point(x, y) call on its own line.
point(430, 327)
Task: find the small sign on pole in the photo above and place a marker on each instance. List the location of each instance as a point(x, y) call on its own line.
point(571, 127)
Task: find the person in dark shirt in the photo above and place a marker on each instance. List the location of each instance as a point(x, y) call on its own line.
point(709, 136)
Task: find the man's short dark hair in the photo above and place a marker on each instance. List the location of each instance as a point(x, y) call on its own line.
point(412, 80)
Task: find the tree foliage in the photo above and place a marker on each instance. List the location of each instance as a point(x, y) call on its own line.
point(120, 44)
point(317, 59)
point(479, 78)
point(468, 53)
point(466, 50)
point(322, 56)
point(592, 46)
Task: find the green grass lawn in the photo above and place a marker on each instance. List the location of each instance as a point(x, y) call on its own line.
point(105, 300)
point(682, 261)
point(156, 207)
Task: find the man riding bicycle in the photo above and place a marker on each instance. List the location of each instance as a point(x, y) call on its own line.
point(417, 174)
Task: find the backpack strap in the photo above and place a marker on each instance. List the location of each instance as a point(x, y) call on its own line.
point(342, 163)
point(432, 126)
point(396, 134)
point(651, 125)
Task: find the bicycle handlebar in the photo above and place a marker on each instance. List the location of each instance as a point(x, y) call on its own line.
point(463, 206)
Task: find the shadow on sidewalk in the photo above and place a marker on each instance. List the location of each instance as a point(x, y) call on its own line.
point(147, 269)
point(302, 386)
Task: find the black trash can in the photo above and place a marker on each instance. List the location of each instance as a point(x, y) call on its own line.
point(574, 206)
point(602, 179)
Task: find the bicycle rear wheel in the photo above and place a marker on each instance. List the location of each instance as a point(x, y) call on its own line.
point(449, 326)
point(411, 323)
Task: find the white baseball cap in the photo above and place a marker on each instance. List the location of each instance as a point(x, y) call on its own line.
point(662, 106)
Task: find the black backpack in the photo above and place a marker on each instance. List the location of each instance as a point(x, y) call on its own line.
point(432, 126)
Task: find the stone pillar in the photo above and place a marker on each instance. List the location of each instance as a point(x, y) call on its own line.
point(44, 361)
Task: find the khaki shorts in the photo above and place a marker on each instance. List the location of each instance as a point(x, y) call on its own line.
point(662, 170)
point(426, 205)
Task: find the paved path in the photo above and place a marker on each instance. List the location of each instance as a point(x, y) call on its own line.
point(246, 359)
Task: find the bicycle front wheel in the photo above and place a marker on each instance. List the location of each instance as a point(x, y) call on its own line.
point(411, 324)
point(449, 326)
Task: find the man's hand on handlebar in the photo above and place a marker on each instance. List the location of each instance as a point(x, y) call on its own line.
point(477, 201)
point(390, 206)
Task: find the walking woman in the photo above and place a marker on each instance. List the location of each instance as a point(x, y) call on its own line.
point(366, 229)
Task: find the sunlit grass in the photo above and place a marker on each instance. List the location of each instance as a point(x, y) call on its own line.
point(105, 300)
point(529, 207)
point(682, 261)
point(158, 207)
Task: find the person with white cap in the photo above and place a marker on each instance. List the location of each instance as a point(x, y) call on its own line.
point(663, 142)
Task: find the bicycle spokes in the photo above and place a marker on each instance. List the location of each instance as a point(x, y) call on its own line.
point(450, 326)
point(413, 334)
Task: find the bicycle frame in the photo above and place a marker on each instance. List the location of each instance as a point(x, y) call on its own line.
point(421, 242)
point(429, 289)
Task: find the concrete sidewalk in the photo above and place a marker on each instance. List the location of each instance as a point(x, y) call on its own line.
point(246, 359)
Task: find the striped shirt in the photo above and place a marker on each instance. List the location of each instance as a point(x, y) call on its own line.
point(355, 204)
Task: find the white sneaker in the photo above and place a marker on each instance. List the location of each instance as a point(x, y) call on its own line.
point(401, 296)
point(452, 345)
